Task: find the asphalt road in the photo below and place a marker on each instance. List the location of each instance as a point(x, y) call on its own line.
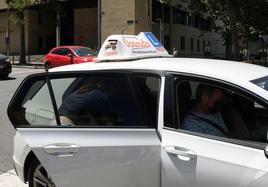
point(7, 89)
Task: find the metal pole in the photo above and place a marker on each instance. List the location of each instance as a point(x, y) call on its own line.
point(170, 28)
point(161, 31)
point(99, 24)
point(58, 26)
point(162, 26)
point(8, 34)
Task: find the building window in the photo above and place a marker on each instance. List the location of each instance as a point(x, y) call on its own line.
point(40, 22)
point(166, 13)
point(197, 22)
point(157, 12)
point(191, 21)
point(166, 42)
point(197, 45)
point(182, 43)
point(192, 44)
point(180, 17)
point(40, 43)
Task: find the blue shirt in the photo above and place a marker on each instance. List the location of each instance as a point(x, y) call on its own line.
point(93, 100)
point(194, 122)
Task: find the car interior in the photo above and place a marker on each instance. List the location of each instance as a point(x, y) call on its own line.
point(90, 116)
point(124, 107)
point(244, 118)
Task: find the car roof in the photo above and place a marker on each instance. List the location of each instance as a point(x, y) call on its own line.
point(71, 46)
point(221, 69)
point(237, 73)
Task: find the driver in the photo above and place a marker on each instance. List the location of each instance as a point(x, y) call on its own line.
point(205, 116)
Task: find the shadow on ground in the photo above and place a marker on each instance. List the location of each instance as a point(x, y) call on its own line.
point(6, 79)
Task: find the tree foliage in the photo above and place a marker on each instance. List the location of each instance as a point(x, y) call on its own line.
point(254, 17)
point(231, 18)
point(239, 17)
point(17, 7)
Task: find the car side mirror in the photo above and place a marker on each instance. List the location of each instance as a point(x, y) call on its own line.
point(70, 55)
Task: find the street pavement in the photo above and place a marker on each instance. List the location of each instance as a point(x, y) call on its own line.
point(10, 179)
point(7, 89)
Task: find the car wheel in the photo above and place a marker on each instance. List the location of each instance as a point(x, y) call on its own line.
point(4, 77)
point(38, 176)
point(48, 65)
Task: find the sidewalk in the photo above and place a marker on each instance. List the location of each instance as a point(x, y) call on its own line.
point(34, 65)
point(10, 179)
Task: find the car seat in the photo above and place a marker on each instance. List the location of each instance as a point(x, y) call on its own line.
point(234, 122)
point(185, 103)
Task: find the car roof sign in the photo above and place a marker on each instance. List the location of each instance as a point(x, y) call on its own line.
point(124, 47)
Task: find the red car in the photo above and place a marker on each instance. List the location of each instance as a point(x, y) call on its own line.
point(64, 55)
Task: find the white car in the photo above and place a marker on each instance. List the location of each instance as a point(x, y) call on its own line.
point(120, 123)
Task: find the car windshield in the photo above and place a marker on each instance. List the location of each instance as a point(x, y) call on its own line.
point(83, 51)
point(261, 82)
point(2, 56)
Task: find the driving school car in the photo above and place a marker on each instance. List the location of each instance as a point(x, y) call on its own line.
point(118, 122)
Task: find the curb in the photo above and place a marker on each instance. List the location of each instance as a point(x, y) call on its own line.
point(28, 66)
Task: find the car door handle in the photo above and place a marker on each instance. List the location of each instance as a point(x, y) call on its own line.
point(62, 150)
point(180, 151)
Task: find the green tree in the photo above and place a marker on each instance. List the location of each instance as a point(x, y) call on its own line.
point(17, 17)
point(224, 16)
point(248, 17)
point(254, 18)
point(17, 8)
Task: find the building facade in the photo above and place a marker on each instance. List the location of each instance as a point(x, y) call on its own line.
point(87, 22)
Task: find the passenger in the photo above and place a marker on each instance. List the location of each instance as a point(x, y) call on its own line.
point(205, 116)
point(83, 103)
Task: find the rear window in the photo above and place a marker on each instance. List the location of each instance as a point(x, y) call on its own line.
point(97, 100)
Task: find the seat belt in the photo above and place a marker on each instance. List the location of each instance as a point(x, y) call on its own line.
point(212, 123)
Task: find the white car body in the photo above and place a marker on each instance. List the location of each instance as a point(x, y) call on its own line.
point(199, 161)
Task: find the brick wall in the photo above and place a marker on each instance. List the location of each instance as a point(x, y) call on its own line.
point(115, 14)
point(14, 35)
point(85, 27)
point(38, 28)
point(143, 16)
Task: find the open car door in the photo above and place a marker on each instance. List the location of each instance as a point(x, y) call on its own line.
point(116, 148)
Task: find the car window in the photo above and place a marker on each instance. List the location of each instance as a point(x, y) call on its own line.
point(83, 51)
point(39, 108)
point(33, 107)
point(62, 51)
point(107, 100)
point(147, 90)
point(261, 82)
point(235, 115)
point(58, 51)
point(67, 51)
point(98, 100)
